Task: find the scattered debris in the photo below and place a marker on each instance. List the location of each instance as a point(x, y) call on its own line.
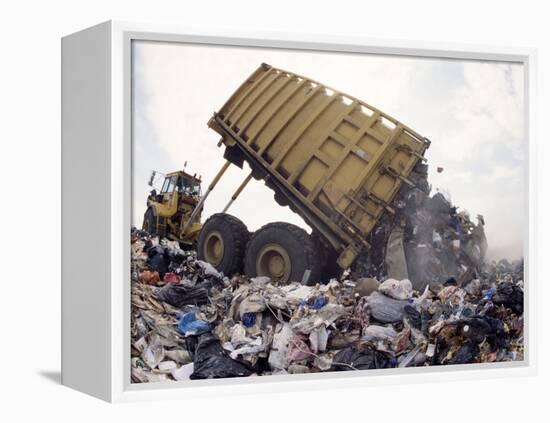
point(195, 323)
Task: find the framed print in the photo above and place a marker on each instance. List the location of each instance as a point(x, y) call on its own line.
point(266, 212)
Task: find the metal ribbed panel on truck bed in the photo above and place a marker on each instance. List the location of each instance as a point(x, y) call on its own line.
point(340, 158)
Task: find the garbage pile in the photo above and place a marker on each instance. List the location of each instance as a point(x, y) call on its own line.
point(426, 239)
point(191, 322)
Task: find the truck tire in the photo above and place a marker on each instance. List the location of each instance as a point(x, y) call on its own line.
point(222, 243)
point(149, 222)
point(283, 252)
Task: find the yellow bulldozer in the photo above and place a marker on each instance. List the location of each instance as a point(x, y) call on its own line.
point(169, 211)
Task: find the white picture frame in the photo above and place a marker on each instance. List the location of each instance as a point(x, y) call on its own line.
point(96, 204)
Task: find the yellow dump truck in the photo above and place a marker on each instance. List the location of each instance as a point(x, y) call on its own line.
point(333, 159)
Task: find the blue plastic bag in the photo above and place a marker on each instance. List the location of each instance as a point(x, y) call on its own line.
point(248, 319)
point(189, 324)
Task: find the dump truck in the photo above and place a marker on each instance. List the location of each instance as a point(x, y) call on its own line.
point(169, 211)
point(335, 160)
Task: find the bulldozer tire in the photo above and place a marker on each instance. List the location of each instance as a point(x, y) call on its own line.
point(283, 252)
point(222, 243)
point(149, 222)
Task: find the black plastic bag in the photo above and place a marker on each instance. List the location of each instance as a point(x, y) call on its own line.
point(175, 256)
point(467, 353)
point(179, 295)
point(155, 250)
point(413, 316)
point(212, 362)
point(475, 328)
point(362, 357)
point(159, 263)
point(509, 295)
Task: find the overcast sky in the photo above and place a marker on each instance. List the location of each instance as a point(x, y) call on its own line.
point(471, 111)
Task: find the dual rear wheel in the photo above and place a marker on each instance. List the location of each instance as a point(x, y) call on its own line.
point(283, 252)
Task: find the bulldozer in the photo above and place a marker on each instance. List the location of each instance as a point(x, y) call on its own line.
point(169, 211)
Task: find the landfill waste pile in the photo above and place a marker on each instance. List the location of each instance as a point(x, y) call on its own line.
point(426, 240)
point(429, 299)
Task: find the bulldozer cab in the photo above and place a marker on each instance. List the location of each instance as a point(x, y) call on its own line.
point(182, 183)
point(180, 192)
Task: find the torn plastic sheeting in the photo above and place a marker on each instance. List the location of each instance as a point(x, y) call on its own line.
point(296, 292)
point(239, 335)
point(415, 357)
point(209, 269)
point(184, 372)
point(317, 318)
point(279, 349)
point(153, 352)
point(255, 346)
point(318, 339)
point(167, 366)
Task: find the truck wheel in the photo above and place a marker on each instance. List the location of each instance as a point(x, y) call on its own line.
point(222, 243)
point(283, 252)
point(150, 222)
